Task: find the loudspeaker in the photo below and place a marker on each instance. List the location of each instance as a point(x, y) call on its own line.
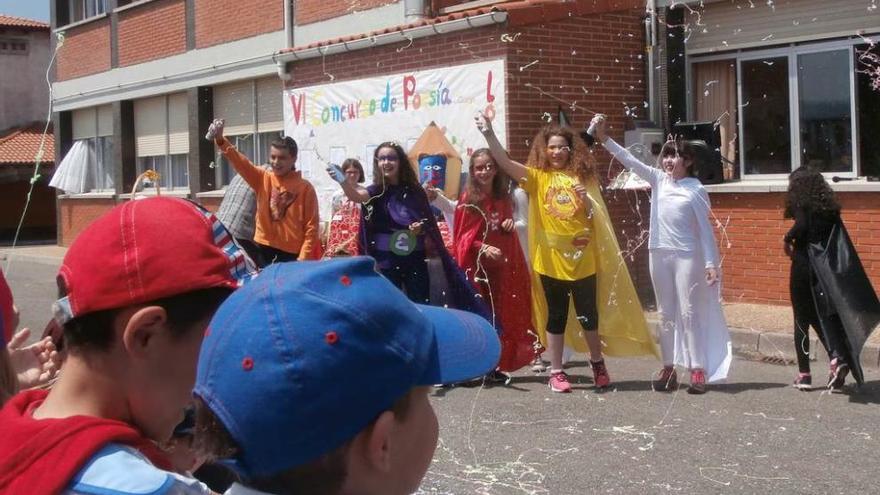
point(709, 169)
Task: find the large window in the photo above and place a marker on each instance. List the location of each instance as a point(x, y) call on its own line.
point(799, 105)
point(83, 9)
point(162, 138)
point(94, 127)
point(253, 114)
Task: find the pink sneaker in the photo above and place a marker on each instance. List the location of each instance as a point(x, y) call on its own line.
point(698, 382)
point(600, 375)
point(559, 382)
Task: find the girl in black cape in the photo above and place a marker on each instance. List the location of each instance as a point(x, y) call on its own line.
point(824, 268)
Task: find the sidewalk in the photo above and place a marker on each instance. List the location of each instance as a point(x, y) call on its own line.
point(758, 331)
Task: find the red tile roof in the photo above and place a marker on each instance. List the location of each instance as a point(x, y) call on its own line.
point(20, 145)
point(519, 13)
point(21, 22)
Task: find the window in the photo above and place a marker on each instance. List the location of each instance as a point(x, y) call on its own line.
point(94, 126)
point(84, 9)
point(253, 114)
point(800, 105)
point(766, 120)
point(14, 47)
point(162, 138)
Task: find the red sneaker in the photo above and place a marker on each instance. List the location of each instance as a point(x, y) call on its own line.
point(666, 381)
point(559, 382)
point(600, 375)
point(698, 382)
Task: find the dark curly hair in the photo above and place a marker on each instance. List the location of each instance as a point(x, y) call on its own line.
point(808, 189)
point(580, 161)
point(500, 184)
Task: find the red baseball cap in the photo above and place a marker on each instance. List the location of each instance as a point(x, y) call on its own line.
point(145, 250)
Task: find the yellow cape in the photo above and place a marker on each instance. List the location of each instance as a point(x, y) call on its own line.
point(622, 325)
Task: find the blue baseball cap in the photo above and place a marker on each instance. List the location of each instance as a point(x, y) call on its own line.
point(308, 354)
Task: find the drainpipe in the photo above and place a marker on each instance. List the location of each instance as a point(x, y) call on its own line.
point(288, 39)
point(415, 10)
point(288, 23)
point(650, 48)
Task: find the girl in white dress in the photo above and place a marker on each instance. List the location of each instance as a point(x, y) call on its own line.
point(684, 264)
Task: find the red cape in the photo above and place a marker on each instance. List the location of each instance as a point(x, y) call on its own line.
point(504, 284)
point(43, 456)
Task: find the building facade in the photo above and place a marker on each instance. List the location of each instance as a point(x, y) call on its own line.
point(787, 83)
point(140, 82)
point(24, 108)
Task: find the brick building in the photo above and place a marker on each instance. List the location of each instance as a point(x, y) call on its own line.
point(143, 79)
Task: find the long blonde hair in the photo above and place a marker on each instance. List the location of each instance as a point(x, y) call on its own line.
point(580, 161)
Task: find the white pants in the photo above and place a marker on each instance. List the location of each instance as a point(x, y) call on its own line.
point(692, 330)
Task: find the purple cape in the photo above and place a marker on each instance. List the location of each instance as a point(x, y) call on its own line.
point(396, 209)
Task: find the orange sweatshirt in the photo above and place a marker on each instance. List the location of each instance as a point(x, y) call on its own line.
point(287, 207)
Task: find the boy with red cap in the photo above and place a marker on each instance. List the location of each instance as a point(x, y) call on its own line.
point(138, 287)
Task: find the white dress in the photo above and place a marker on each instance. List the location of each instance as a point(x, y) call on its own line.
point(693, 332)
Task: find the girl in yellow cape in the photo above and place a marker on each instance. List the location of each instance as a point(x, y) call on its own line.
point(574, 255)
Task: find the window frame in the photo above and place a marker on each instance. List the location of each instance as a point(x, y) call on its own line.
point(99, 7)
point(164, 173)
point(790, 53)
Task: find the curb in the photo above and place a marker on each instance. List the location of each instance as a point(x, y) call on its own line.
point(775, 344)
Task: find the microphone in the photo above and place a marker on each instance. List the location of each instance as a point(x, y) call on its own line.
point(838, 179)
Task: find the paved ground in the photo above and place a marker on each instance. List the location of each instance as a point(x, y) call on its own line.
point(753, 435)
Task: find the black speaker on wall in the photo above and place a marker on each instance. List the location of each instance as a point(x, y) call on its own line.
point(709, 170)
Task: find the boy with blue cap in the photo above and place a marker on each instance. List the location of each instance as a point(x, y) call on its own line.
point(265, 391)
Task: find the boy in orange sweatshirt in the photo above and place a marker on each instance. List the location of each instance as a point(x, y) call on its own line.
point(287, 205)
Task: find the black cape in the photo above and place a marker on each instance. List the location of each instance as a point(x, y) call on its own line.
point(844, 290)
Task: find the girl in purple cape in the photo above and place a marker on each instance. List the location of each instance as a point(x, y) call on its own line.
point(399, 230)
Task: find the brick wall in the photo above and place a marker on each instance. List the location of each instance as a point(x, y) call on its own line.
point(309, 11)
point(424, 53)
point(86, 50)
point(76, 214)
point(755, 268)
point(570, 54)
point(222, 21)
point(151, 31)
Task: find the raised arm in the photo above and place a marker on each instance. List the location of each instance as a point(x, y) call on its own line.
point(516, 170)
point(354, 192)
point(621, 154)
point(251, 173)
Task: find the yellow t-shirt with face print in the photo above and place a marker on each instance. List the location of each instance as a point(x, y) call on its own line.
point(562, 244)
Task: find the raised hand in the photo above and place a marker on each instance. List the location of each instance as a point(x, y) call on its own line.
point(484, 125)
point(599, 125)
point(336, 173)
point(35, 364)
point(215, 130)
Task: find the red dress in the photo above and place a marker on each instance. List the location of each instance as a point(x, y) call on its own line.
point(342, 238)
point(504, 284)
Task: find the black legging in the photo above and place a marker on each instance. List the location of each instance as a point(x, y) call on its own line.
point(801, 281)
point(557, 293)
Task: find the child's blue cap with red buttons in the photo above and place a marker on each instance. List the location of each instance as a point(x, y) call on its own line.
point(304, 357)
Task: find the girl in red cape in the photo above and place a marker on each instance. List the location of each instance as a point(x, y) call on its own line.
point(486, 247)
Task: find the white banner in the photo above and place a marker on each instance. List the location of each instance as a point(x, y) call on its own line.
point(332, 122)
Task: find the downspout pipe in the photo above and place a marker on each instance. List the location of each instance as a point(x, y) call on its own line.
point(650, 48)
point(415, 10)
point(288, 39)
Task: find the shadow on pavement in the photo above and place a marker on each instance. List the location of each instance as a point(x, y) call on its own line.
point(869, 393)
